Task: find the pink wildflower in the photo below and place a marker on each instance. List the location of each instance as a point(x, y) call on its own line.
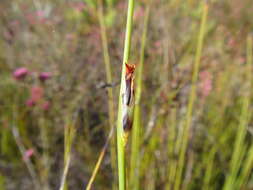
point(36, 93)
point(44, 76)
point(30, 103)
point(20, 73)
point(28, 153)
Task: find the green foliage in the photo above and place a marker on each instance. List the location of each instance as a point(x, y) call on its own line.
point(192, 126)
point(120, 131)
point(110, 17)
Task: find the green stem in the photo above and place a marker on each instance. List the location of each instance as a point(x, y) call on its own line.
point(109, 81)
point(237, 156)
point(134, 161)
point(171, 149)
point(99, 161)
point(186, 129)
point(120, 131)
point(69, 133)
point(209, 168)
point(246, 171)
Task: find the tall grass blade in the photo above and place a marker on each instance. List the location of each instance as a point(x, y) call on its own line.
point(238, 154)
point(192, 98)
point(29, 165)
point(109, 90)
point(135, 157)
point(99, 161)
point(69, 133)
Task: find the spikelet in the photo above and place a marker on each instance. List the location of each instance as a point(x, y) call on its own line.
point(128, 100)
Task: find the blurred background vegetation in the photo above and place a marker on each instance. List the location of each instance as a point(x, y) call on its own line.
point(54, 93)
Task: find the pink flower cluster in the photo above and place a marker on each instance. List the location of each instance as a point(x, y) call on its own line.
point(36, 92)
point(22, 72)
point(43, 76)
point(37, 97)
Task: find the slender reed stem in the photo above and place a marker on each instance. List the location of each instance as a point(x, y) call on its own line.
point(27, 161)
point(134, 161)
point(45, 155)
point(99, 161)
point(192, 98)
point(120, 131)
point(246, 172)
point(171, 149)
point(237, 156)
point(69, 133)
point(109, 81)
point(107, 63)
point(209, 169)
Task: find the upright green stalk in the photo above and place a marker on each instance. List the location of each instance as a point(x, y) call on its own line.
point(120, 131)
point(192, 98)
point(134, 167)
point(45, 156)
point(107, 62)
point(69, 133)
point(171, 148)
point(209, 168)
point(109, 81)
point(237, 156)
point(99, 161)
point(246, 171)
